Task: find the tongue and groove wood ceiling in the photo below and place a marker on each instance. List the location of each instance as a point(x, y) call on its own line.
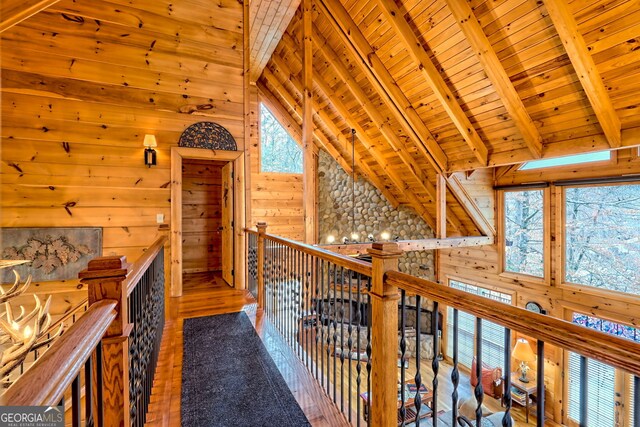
point(434, 86)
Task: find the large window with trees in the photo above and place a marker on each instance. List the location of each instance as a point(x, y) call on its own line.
point(279, 152)
point(524, 232)
point(602, 237)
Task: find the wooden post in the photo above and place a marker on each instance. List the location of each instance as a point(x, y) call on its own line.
point(309, 160)
point(262, 230)
point(384, 336)
point(106, 279)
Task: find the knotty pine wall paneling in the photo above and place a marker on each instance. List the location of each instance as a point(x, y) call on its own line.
point(82, 83)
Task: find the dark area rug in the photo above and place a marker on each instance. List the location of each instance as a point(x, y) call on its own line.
point(229, 379)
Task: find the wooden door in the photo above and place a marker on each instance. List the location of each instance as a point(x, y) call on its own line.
point(227, 223)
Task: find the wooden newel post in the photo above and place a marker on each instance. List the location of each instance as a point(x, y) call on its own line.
point(262, 230)
point(106, 280)
point(384, 336)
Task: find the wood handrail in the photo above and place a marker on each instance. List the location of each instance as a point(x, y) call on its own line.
point(612, 350)
point(142, 264)
point(45, 382)
point(350, 263)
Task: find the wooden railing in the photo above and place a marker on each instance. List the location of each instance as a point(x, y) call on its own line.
point(116, 341)
point(302, 291)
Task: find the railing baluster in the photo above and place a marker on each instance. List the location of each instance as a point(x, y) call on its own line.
point(358, 363)
point(88, 393)
point(455, 373)
point(479, 392)
point(540, 385)
point(300, 305)
point(636, 401)
point(335, 331)
point(323, 371)
point(418, 376)
point(99, 386)
point(307, 312)
point(403, 350)
point(329, 326)
point(435, 363)
point(584, 390)
point(292, 290)
point(350, 340)
point(76, 408)
point(342, 310)
point(316, 308)
point(506, 397)
point(369, 350)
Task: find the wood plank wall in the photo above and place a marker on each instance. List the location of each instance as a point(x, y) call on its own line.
point(276, 198)
point(81, 85)
point(201, 215)
point(481, 266)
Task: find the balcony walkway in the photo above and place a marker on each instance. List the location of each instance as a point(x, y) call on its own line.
point(204, 295)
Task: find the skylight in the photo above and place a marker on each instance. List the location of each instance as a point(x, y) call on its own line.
point(597, 156)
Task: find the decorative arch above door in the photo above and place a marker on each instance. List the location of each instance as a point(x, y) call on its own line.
point(208, 135)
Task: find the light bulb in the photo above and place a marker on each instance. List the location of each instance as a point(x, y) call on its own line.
point(15, 326)
point(27, 332)
point(331, 238)
point(354, 236)
point(385, 235)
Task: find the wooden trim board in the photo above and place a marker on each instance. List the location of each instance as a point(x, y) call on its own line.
point(235, 157)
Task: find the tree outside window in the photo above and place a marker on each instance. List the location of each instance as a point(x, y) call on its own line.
point(278, 150)
point(602, 237)
point(524, 232)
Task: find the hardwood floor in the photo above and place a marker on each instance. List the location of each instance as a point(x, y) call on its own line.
point(204, 295)
point(207, 294)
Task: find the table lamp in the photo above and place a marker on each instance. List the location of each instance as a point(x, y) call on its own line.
point(522, 352)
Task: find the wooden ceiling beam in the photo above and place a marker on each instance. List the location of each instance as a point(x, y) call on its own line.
point(380, 78)
point(575, 46)
point(433, 77)
point(376, 117)
point(361, 135)
point(12, 12)
point(326, 121)
point(282, 96)
point(326, 143)
point(480, 44)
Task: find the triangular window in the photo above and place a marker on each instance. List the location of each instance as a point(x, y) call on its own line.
point(279, 152)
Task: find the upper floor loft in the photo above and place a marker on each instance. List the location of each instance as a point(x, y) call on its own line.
point(492, 144)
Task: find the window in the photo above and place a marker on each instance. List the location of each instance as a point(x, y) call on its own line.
point(602, 237)
point(598, 156)
point(278, 151)
point(492, 334)
point(601, 384)
point(524, 228)
point(600, 395)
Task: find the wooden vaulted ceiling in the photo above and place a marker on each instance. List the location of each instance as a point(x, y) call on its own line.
point(440, 86)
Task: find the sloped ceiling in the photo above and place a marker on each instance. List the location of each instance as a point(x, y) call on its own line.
point(268, 21)
point(451, 85)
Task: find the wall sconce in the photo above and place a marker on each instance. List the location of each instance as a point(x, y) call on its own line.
point(149, 152)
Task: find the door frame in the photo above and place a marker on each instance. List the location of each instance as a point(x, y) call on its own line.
point(237, 158)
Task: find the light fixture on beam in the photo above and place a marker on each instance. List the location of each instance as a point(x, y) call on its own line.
point(149, 153)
